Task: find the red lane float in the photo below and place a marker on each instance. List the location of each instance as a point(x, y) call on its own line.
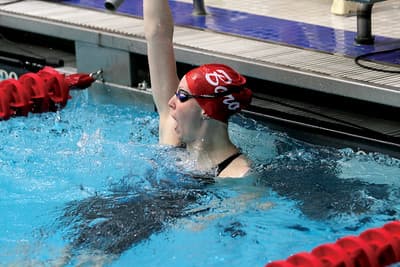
point(38, 91)
point(46, 90)
point(377, 247)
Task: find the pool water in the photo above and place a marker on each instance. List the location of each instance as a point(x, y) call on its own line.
point(90, 185)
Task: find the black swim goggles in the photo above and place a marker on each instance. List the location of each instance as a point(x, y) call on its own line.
point(184, 96)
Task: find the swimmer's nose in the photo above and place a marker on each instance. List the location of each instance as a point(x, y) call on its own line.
point(171, 102)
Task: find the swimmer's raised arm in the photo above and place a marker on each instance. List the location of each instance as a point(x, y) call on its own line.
point(158, 28)
point(208, 95)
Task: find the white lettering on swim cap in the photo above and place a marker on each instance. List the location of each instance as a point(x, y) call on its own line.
point(217, 76)
point(214, 80)
point(230, 101)
point(220, 89)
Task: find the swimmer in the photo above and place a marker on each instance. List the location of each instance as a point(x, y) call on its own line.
point(194, 111)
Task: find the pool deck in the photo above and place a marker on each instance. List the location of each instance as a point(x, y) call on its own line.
point(269, 49)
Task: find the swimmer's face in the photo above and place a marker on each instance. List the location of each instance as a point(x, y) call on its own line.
point(187, 114)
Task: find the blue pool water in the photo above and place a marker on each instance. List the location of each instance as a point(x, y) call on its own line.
point(89, 184)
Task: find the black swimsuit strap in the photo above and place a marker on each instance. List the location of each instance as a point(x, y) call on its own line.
point(222, 165)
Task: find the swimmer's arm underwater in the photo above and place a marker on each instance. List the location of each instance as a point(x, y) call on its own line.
point(201, 217)
point(158, 28)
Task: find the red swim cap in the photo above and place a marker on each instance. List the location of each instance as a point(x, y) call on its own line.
point(217, 78)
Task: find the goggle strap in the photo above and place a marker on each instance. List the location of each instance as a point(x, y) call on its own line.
point(219, 94)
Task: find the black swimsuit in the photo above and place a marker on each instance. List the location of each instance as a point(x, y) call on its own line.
point(221, 166)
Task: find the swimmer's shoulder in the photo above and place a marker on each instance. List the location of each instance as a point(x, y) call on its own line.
point(238, 168)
